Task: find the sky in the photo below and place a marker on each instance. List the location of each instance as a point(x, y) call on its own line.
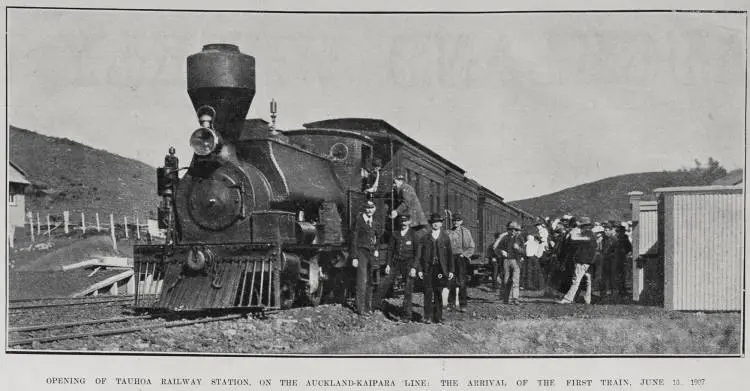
point(527, 103)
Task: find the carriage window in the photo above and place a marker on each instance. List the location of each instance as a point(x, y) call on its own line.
point(416, 185)
point(339, 151)
point(439, 205)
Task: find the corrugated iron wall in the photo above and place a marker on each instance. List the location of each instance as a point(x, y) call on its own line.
point(645, 247)
point(703, 249)
point(648, 228)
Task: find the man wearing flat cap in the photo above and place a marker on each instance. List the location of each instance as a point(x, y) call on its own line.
point(435, 267)
point(463, 248)
point(363, 250)
point(410, 204)
point(402, 261)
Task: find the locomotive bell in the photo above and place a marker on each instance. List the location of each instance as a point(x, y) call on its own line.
point(221, 82)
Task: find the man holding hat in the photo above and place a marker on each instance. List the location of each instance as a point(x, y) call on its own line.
point(463, 248)
point(435, 268)
point(410, 204)
point(403, 262)
point(363, 250)
point(511, 250)
point(583, 245)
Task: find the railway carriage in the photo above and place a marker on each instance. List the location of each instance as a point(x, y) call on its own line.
point(260, 218)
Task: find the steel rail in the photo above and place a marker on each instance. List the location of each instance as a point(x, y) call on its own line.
point(51, 305)
point(124, 330)
point(12, 301)
point(54, 326)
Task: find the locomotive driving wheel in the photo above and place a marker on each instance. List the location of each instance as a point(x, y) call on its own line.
point(314, 287)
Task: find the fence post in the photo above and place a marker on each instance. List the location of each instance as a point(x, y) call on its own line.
point(31, 224)
point(98, 227)
point(66, 220)
point(126, 227)
point(38, 225)
point(112, 230)
point(49, 230)
point(137, 228)
point(635, 208)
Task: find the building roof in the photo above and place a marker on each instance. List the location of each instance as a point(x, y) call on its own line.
point(16, 174)
point(688, 189)
point(732, 178)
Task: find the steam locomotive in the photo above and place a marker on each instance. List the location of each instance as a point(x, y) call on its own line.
point(260, 219)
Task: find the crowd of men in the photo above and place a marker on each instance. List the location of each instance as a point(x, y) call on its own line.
point(558, 257)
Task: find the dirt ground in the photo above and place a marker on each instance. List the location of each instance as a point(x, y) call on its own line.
point(537, 327)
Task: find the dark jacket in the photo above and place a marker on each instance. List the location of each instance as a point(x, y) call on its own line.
point(362, 237)
point(397, 240)
point(584, 247)
point(512, 245)
point(444, 255)
point(410, 205)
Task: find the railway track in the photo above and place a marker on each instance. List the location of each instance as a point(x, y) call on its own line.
point(28, 305)
point(28, 335)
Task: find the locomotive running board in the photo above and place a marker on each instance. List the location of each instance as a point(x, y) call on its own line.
point(243, 276)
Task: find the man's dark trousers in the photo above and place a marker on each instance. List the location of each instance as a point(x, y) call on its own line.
point(433, 306)
point(365, 283)
point(462, 278)
point(385, 284)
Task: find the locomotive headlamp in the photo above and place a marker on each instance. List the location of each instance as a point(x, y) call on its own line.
point(198, 258)
point(204, 141)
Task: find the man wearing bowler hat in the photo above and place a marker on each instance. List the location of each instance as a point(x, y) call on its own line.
point(363, 250)
point(402, 261)
point(435, 268)
point(463, 248)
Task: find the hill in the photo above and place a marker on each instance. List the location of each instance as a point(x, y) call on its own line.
point(607, 199)
point(67, 175)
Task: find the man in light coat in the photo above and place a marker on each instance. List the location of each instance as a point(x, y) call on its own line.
point(463, 248)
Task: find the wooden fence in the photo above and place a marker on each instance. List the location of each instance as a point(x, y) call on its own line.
point(46, 227)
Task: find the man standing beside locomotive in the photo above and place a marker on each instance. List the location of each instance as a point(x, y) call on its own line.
point(402, 261)
point(409, 205)
point(463, 248)
point(435, 268)
point(363, 250)
point(510, 249)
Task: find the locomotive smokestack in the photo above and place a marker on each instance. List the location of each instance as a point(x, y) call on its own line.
point(221, 81)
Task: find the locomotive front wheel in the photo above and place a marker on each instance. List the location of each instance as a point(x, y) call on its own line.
point(314, 287)
point(288, 295)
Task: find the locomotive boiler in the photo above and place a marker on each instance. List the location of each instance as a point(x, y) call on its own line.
point(258, 219)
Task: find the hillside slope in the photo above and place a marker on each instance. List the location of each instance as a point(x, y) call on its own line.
point(606, 199)
point(67, 175)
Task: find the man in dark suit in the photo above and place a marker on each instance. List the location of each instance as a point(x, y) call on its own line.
point(435, 268)
point(410, 204)
point(402, 261)
point(363, 250)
